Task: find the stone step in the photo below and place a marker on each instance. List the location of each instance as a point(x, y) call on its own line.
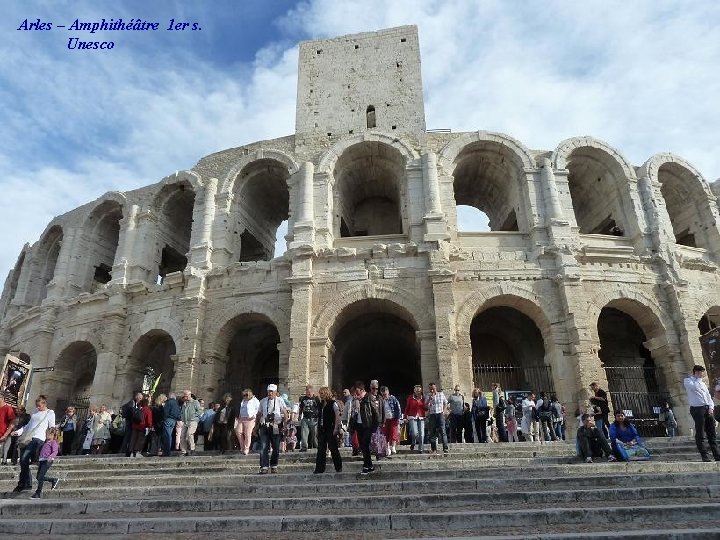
point(449, 501)
point(533, 519)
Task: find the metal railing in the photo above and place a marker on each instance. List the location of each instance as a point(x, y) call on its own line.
point(535, 378)
point(635, 390)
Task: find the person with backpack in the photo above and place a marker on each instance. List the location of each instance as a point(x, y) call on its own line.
point(392, 419)
point(546, 416)
point(141, 424)
point(308, 416)
point(172, 416)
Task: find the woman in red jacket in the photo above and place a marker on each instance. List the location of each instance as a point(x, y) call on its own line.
point(142, 423)
point(415, 412)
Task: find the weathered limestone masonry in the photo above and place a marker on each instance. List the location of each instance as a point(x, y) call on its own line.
point(593, 269)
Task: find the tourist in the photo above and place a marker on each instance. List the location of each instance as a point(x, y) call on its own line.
point(308, 418)
point(22, 418)
point(101, 431)
point(591, 441)
point(68, 427)
point(415, 413)
point(127, 411)
point(456, 402)
point(32, 437)
point(437, 407)
point(223, 421)
point(207, 420)
point(7, 418)
point(545, 414)
point(329, 425)
point(392, 419)
point(246, 420)
point(271, 414)
point(667, 416)
point(511, 421)
point(86, 433)
point(365, 417)
point(529, 424)
point(600, 400)
point(172, 416)
point(701, 410)
point(347, 405)
point(156, 435)
point(558, 414)
point(499, 415)
point(625, 439)
point(48, 453)
point(190, 416)
point(467, 424)
point(142, 422)
point(481, 414)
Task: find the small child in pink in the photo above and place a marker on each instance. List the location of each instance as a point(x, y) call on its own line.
point(48, 453)
point(512, 427)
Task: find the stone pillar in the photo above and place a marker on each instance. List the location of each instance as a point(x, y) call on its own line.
point(552, 197)
point(142, 264)
point(302, 368)
point(429, 360)
point(449, 370)
point(105, 387)
point(126, 246)
point(321, 355)
point(303, 230)
point(201, 252)
point(61, 284)
point(222, 253)
point(435, 223)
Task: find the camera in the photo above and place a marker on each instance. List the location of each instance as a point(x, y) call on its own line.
point(270, 418)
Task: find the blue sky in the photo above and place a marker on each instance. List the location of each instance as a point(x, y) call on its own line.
point(641, 75)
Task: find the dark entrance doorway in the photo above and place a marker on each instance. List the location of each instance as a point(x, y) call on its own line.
point(377, 345)
point(253, 358)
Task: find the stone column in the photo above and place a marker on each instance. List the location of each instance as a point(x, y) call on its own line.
point(302, 368)
point(144, 258)
point(222, 253)
point(429, 360)
point(449, 370)
point(201, 253)
point(303, 230)
point(552, 197)
point(434, 219)
point(105, 387)
point(61, 284)
point(126, 247)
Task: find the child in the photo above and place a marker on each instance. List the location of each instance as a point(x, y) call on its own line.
point(48, 453)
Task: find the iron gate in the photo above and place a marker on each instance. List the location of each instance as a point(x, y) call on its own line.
point(535, 378)
point(636, 391)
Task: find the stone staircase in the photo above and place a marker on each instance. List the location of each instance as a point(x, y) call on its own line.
point(522, 490)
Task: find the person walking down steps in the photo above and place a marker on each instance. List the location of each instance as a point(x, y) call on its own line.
point(48, 453)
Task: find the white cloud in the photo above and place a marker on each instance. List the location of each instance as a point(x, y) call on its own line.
point(641, 75)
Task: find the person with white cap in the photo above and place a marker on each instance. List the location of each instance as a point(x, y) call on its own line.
point(271, 414)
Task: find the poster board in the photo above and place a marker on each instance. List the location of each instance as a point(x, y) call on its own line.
point(14, 380)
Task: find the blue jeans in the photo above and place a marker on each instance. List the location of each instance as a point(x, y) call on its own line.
point(42, 475)
point(167, 435)
point(268, 439)
point(417, 432)
point(26, 456)
point(308, 431)
point(436, 426)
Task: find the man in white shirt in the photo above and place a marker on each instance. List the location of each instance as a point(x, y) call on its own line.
point(701, 410)
point(437, 407)
point(271, 414)
point(42, 419)
point(529, 425)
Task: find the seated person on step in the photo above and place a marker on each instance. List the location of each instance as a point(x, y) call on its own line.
point(592, 442)
point(626, 442)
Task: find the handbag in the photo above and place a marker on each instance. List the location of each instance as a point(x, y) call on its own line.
point(378, 444)
point(27, 436)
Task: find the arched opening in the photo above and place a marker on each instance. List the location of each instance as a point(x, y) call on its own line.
point(253, 359)
point(370, 116)
point(373, 339)
point(635, 383)
point(709, 328)
point(44, 265)
point(102, 232)
point(508, 348)
point(75, 371)
point(686, 204)
point(13, 285)
point(594, 181)
point(152, 363)
point(280, 242)
point(175, 218)
point(487, 177)
point(370, 179)
point(261, 203)
point(470, 219)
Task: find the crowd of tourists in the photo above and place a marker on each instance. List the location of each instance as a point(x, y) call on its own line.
point(372, 422)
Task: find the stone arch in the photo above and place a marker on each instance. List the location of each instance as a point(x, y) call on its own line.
point(260, 204)
point(13, 280)
point(44, 262)
point(327, 161)
point(174, 207)
point(153, 356)
point(489, 174)
point(158, 323)
point(603, 187)
point(417, 312)
point(688, 199)
point(100, 239)
point(288, 161)
point(74, 370)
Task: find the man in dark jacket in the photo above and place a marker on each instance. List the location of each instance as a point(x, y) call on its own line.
point(591, 441)
point(172, 415)
point(126, 411)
